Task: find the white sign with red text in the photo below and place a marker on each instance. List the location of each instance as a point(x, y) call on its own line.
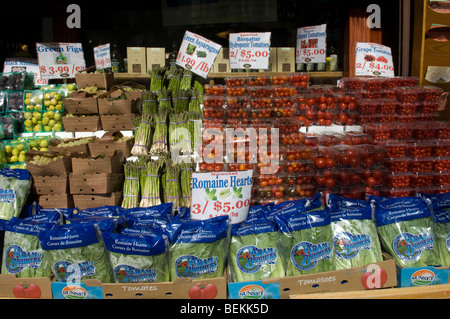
point(221, 193)
point(197, 54)
point(102, 56)
point(373, 59)
point(311, 44)
point(60, 60)
point(249, 50)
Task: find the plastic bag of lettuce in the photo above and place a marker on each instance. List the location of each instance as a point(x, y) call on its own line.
point(253, 248)
point(198, 249)
point(15, 186)
point(138, 255)
point(355, 235)
point(440, 211)
point(22, 251)
point(405, 229)
point(74, 253)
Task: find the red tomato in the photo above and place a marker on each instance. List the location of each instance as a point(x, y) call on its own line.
point(371, 182)
point(329, 162)
point(329, 183)
point(310, 102)
point(203, 291)
point(24, 290)
point(320, 162)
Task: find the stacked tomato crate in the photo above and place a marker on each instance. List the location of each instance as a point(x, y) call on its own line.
point(400, 115)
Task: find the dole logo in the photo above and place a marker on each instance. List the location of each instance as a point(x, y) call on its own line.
point(422, 277)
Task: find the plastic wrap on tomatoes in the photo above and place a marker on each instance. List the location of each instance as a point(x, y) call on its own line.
point(398, 192)
point(353, 83)
point(442, 148)
point(430, 93)
point(410, 81)
point(299, 80)
point(443, 130)
point(297, 167)
point(393, 82)
point(258, 80)
point(374, 83)
point(213, 101)
point(421, 149)
point(331, 138)
point(372, 155)
point(422, 165)
point(349, 177)
point(356, 138)
point(346, 118)
point(280, 79)
point(398, 164)
point(324, 158)
point(287, 125)
point(214, 89)
point(235, 81)
point(408, 94)
point(261, 103)
point(398, 179)
point(260, 91)
point(347, 156)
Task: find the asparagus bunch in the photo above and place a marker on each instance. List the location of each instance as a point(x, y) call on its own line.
point(181, 100)
point(164, 99)
point(131, 186)
point(194, 102)
point(186, 169)
point(157, 78)
point(160, 140)
point(195, 128)
point(151, 194)
point(149, 102)
point(186, 80)
point(143, 136)
point(174, 78)
point(172, 187)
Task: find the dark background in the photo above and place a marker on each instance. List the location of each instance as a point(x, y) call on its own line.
point(152, 23)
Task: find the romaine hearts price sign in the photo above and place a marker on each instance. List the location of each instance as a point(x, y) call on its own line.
point(60, 60)
point(311, 44)
point(221, 193)
point(373, 59)
point(249, 50)
point(197, 54)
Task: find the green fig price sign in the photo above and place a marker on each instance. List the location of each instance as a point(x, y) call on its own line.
point(221, 193)
point(60, 60)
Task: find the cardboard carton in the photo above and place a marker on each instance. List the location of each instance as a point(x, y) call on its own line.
point(107, 146)
point(96, 165)
point(43, 289)
point(43, 185)
point(95, 183)
point(97, 200)
point(286, 59)
point(123, 122)
point(76, 149)
point(117, 106)
point(103, 81)
point(88, 123)
point(56, 201)
point(377, 275)
point(136, 57)
point(423, 276)
point(57, 167)
point(80, 102)
point(156, 57)
point(222, 62)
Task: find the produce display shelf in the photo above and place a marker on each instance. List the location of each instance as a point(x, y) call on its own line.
point(426, 292)
point(215, 75)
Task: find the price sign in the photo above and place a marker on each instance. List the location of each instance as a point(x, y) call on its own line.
point(311, 44)
point(373, 59)
point(24, 64)
point(249, 50)
point(102, 56)
point(197, 54)
point(221, 193)
point(60, 60)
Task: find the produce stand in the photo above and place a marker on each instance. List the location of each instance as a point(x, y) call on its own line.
point(353, 207)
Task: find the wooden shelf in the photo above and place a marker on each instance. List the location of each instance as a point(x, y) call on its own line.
point(215, 75)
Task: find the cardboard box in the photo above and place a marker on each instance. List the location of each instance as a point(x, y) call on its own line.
point(117, 106)
point(103, 81)
point(423, 276)
point(56, 201)
point(106, 145)
point(44, 185)
point(95, 183)
point(286, 59)
point(94, 165)
point(178, 289)
point(76, 149)
point(357, 278)
point(9, 281)
point(80, 102)
point(136, 60)
point(272, 61)
point(222, 62)
point(97, 200)
point(88, 123)
point(123, 122)
point(156, 57)
point(55, 168)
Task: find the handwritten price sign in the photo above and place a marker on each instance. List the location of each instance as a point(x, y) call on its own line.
point(102, 56)
point(197, 54)
point(221, 193)
point(249, 50)
point(60, 60)
point(311, 44)
point(373, 59)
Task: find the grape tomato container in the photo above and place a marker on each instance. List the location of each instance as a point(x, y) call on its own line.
point(236, 91)
point(396, 149)
point(235, 81)
point(388, 94)
point(443, 130)
point(353, 83)
point(374, 83)
point(213, 101)
point(279, 79)
point(407, 108)
point(347, 156)
point(442, 179)
point(429, 108)
point(398, 192)
point(430, 93)
point(210, 112)
point(410, 81)
point(241, 114)
point(287, 125)
point(400, 164)
point(370, 106)
point(393, 82)
point(399, 179)
point(371, 95)
point(258, 80)
point(297, 167)
point(349, 177)
point(372, 155)
point(331, 138)
point(421, 149)
point(214, 89)
point(297, 77)
point(424, 130)
point(401, 131)
point(284, 91)
point(422, 165)
point(356, 138)
point(441, 164)
point(236, 102)
point(408, 94)
point(442, 148)
point(285, 102)
point(260, 91)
